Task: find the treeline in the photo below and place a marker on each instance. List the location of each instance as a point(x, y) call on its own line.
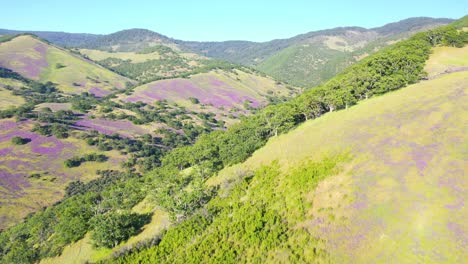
point(178, 183)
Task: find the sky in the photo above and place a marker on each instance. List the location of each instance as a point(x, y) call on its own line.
point(216, 20)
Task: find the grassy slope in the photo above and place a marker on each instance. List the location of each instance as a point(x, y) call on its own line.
point(219, 88)
point(166, 62)
point(310, 63)
point(402, 196)
point(446, 59)
point(305, 65)
point(20, 194)
point(37, 60)
point(7, 99)
point(98, 55)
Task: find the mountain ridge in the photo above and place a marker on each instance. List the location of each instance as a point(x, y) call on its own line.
point(53, 36)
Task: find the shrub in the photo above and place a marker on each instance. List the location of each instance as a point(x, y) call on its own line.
point(19, 140)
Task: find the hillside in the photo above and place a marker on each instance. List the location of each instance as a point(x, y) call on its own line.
point(315, 59)
point(33, 175)
point(400, 185)
point(153, 63)
point(365, 167)
point(352, 186)
point(40, 61)
point(219, 91)
point(211, 190)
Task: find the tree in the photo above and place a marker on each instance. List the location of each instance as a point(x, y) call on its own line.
point(194, 100)
point(19, 140)
point(111, 228)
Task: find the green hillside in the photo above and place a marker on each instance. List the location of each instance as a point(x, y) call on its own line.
point(366, 167)
point(150, 64)
point(309, 59)
point(306, 64)
point(40, 61)
point(375, 182)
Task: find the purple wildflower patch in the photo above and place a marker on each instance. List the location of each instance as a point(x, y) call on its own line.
point(99, 92)
point(210, 91)
point(109, 127)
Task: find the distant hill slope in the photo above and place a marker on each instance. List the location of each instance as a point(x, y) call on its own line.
point(40, 61)
point(304, 60)
point(251, 53)
point(217, 88)
point(154, 63)
point(128, 40)
point(311, 58)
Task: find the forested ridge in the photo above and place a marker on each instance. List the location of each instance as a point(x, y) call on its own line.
point(177, 185)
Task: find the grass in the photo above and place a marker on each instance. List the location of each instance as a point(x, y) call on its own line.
point(8, 100)
point(98, 55)
point(21, 192)
point(305, 65)
point(403, 199)
point(444, 58)
point(219, 88)
point(39, 61)
point(79, 71)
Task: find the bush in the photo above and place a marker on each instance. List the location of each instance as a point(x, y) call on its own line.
point(112, 228)
point(20, 141)
point(194, 100)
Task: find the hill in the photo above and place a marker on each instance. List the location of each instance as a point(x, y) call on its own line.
point(197, 180)
point(41, 61)
point(377, 182)
point(316, 58)
point(153, 63)
point(274, 213)
point(223, 92)
point(128, 40)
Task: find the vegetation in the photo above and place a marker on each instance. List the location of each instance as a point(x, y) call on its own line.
point(76, 161)
point(177, 182)
point(257, 219)
point(19, 140)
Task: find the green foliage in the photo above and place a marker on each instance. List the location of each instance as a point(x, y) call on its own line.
point(60, 66)
point(272, 205)
point(19, 140)
point(258, 218)
point(160, 49)
point(110, 229)
point(194, 100)
point(76, 161)
point(45, 233)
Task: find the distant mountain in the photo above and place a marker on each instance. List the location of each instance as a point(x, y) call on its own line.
point(59, 38)
point(304, 60)
point(311, 58)
point(128, 40)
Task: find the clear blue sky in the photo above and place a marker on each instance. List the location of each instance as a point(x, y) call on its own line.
point(256, 20)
